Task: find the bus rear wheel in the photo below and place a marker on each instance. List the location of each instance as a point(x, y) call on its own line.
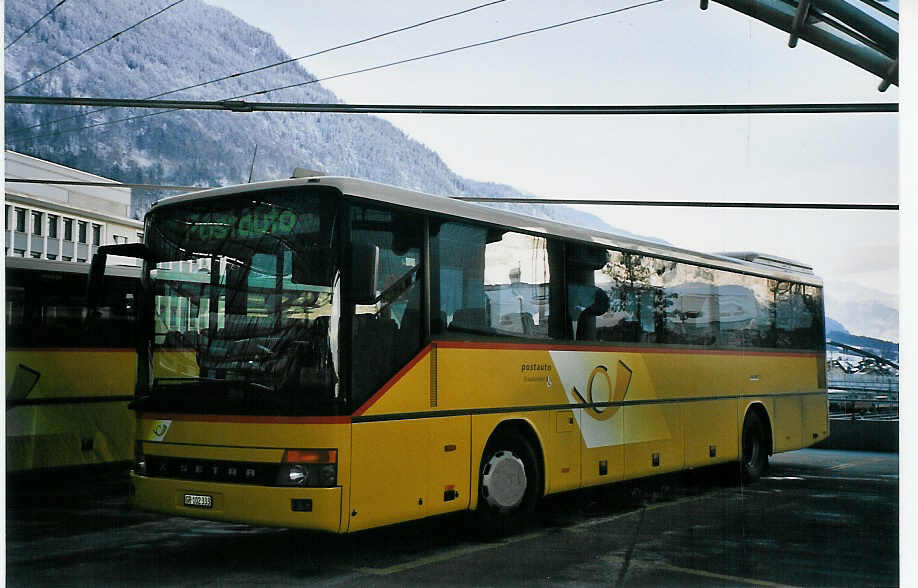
point(508, 484)
point(754, 460)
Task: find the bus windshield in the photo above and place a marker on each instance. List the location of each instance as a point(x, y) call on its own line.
point(245, 295)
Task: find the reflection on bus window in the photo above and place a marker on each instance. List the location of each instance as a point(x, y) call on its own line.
point(798, 316)
point(617, 296)
point(493, 282)
point(248, 304)
point(387, 333)
point(47, 309)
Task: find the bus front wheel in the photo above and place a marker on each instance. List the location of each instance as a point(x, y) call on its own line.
point(508, 484)
point(755, 452)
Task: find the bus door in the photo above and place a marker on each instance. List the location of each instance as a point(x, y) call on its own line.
point(406, 463)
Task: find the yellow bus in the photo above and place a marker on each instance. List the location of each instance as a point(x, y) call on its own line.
point(69, 377)
point(336, 354)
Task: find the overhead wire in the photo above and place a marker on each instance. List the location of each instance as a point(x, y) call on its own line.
point(595, 201)
point(112, 184)
point(335, 48)
point(100, 43)
point(372, 68)
point(228, 105)
point(284, 62)
point(32, 26)
point(683, 203)
point(98, 124)
point(501, 109)
point(455, 49)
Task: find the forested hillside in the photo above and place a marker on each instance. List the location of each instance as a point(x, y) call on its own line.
point(184, 46)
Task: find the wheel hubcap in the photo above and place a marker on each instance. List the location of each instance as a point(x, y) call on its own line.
point(504, 481)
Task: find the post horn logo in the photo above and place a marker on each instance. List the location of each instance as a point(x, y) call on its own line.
point(604, 410)
point(160, 428)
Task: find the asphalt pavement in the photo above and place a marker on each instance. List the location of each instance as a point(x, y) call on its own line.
point(818, 518)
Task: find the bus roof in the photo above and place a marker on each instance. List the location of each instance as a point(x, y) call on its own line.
point(746, 262)
point(48, 265)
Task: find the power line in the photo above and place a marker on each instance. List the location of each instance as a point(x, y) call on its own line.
point(377, 67)
point(525, 200)
point(335, 48)
point(104, 184)
point(503, 109)
point(284, 62)
point(32, 26)
point(87, 50)
point(455, 49)
point(685, 203)
point(98, 124)
point(241, 106)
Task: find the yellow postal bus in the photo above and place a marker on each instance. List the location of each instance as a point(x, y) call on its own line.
point(335, 354)
point(69, 377)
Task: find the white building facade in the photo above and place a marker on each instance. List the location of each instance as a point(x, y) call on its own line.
point(63, 222)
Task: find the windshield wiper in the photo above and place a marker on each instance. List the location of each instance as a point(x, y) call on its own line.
point(163, 384)
point(398, 287)
point(163, 388)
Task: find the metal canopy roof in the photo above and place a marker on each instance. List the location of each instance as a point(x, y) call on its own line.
point(853, 30)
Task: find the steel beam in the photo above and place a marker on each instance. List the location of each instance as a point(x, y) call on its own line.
point(781, 15)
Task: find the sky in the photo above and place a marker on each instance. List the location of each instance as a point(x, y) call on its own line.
point(666, 53)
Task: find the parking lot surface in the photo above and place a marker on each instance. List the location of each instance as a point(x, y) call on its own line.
point(818, 518)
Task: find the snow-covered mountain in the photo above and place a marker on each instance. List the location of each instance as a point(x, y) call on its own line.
point(863, 311)
point(184, 46)
point(195, 42)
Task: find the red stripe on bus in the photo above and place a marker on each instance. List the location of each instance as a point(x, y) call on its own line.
point(464, 345)
point(398, 376)
point(613, 348)
point(221, 418)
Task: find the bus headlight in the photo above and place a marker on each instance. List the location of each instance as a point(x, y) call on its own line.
point(140, 460)
point(297, 475)
point(316, 468)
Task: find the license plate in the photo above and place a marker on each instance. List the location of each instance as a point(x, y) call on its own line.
point(199, 500)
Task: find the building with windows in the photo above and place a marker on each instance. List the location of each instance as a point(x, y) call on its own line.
point(63, 222)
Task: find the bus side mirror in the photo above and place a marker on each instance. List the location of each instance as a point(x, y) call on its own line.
point(95, 288)
point(364, 273)
point(24, 381)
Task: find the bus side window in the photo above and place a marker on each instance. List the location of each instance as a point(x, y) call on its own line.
point(386, 334)
point(17, 327)
point(457, 252)
point(603, 294)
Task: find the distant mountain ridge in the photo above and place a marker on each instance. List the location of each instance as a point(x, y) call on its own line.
point(885, 349)
point(862, 311)
point(195, 42)
point(184, 46)
point(833, 325)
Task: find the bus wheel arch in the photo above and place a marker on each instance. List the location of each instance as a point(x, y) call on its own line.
point(756, 443)
point(510, 477)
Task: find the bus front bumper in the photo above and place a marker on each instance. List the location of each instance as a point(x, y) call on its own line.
point(306, 508)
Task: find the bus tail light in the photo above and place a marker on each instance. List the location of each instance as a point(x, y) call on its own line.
point(310, 456)
point(315, 468)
